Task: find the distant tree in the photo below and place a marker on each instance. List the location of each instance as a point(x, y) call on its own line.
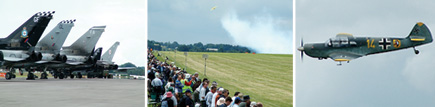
point(128, 64)
point(183, 48)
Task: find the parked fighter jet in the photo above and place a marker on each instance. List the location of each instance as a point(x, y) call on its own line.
point(105, 63)
point(19, 45)
point(49, 47)
point(345, 47)
point(106, 59)
point(80, 53)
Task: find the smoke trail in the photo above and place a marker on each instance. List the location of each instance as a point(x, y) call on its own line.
point(261, 34)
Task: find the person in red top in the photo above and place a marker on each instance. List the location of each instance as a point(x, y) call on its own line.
point(217, 96)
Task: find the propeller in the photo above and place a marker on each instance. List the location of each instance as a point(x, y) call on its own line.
point(302, 49)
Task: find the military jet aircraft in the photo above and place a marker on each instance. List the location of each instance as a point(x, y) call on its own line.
point(345, 47)
point(80, 53)
point(49, 47)
point(18, 47)
point(106, 63)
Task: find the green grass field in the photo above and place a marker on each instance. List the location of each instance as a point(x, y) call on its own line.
point(266, 78)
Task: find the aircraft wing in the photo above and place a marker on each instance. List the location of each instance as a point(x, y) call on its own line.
point(126, 68)
point(48, 62)
point(344, 56)
point(13, 59)
point(73, 63)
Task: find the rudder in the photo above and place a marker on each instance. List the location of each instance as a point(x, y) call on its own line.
point(420, 33)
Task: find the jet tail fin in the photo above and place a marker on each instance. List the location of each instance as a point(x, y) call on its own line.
point(28, 34)
point(85, 44)
point(54, 40)
point(108, 55)
point(420, 33)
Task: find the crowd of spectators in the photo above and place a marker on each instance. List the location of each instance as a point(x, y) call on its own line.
point(175, 87)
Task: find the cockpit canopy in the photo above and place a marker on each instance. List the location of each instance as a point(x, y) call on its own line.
point(341, 40)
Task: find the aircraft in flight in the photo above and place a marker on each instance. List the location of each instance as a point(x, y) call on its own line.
point(346, 47)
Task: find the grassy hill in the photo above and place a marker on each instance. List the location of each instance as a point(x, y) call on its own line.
point(266, 78)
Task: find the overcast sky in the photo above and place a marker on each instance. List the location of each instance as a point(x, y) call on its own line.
point(398, 78)
point(263, 25)
point(124, 20)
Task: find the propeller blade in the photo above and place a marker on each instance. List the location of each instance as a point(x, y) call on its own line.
point(302, 51)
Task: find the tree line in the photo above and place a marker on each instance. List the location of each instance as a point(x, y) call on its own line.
point(197, 47)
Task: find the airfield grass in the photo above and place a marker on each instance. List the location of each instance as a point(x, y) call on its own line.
point(266, 78)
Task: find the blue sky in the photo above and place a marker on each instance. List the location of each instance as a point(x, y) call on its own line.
point(124, 20)
point(265, 26)
point(398, 78)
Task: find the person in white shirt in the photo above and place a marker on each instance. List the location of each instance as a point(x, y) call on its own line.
point(202, 93)
point(209, 96)
point(213, 102)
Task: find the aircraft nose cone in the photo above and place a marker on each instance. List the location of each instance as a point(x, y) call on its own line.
point(301, 48)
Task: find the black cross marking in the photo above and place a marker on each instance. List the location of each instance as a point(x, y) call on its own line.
point(416, 31)
point(384, 43)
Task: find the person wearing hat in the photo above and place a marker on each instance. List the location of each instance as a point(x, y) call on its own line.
point(246, 100)
point(187, 99)
point(237, 102)
point(168, 101)
point(157, 85)
point(220, 102)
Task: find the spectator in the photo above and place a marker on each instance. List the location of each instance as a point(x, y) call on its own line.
point(170, 82)
point(220, 102)
point(187, 100)
point(178, 87)
point(259, 104)
point(246, 100)
point(237, 102)
point(168, 101)
point(157, 85)
point(225, 94)
point(202, 94)
point(227, 103)
point(216, 96)
point(236, 95)
point(253, 104)
point(209, 96)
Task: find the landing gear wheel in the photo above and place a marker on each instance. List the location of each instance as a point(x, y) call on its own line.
point(72, 76)
point(44, 75)
point(8, 76)
point(61, 75)
point(416, 51)
point(89, 75)
point(79, 75)
point(55, 75)
point(30, 76)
